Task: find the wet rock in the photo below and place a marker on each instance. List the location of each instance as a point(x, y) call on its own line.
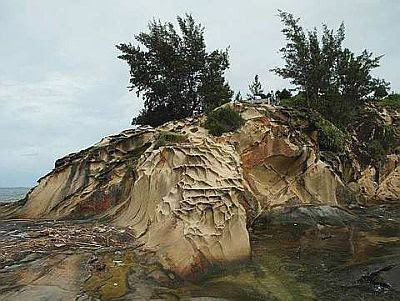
point(190, 201)
point(56, 279)
point(391, 277)
point(308, 216)
point(160, 276)
point(378, 274)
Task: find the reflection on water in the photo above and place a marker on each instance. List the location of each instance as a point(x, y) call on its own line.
point(110, 279)
point(290, 261)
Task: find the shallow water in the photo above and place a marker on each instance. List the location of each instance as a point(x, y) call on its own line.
point(290, 261)
point(298, 262)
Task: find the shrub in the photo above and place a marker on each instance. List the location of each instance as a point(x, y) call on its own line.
point(386, 140)
point(223, 120)
point(298, 100)
point(391, 102)
point(166, 138)
point(376, 150)
point(284, 94)
point(378, 139)
point(331, 138)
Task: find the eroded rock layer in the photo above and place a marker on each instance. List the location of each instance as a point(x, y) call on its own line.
point(185, 203)
point(189, 199)
point(281, 166)
point(88, 183)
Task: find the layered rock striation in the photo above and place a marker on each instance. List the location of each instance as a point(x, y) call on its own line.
point(190, 199)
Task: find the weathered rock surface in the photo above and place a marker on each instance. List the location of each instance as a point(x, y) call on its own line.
point(280, 164)
point(381, 185)
point(389, 189)
point(185, 203)
point(189, 201)
point(90, 182)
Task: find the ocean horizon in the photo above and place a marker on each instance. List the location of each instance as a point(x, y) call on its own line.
point(12, 194)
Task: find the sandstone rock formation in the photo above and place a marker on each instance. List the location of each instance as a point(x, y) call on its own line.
point(280, 164)
point(182, 200)
point(381, 185)
point(189, 201)
point(185, 203)
point(89, 182)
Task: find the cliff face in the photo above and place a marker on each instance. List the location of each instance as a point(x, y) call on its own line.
point(280, 162)
point(190, 201)
point(380, 184)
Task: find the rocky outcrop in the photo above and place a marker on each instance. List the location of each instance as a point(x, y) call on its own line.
point(375, 152)
point(182, 201)
point(185, 204)
point(380, 185)
point(280, 164)
point(189, 200)
point(389, 189)
point(88, 183)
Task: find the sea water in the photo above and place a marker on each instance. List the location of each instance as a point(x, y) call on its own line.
point(12, 194)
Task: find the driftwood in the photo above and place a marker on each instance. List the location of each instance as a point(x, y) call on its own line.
point(19, 238)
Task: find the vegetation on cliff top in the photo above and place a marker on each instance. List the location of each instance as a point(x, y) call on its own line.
point(331, 138)
point(177, 78)
point(174, 73)
point(223, 120)
point(391, 102)
point(167, 137)
point(339, 85)
point(332, 79)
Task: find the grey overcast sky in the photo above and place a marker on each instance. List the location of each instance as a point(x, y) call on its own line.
point(63, 89)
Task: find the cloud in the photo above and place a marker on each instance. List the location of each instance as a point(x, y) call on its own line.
point(43, 120)
point(56, 92)
point(62, 87)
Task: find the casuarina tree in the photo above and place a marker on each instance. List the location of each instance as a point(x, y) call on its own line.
point(174, 73)
point(333, 79)
point(256, 89)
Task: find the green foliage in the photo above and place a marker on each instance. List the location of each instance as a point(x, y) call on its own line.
point(223, 120)
point(383, 142)
point(256, 89)
point(378, 138)
point(174, 73)
point(298, 100)
point(167, 138)
point(391, 102)
point(330, 137)
point(376, 150)
point(334, 80)
point(381, 90)
point(391, 136)
point(309, 62)
point(284, 94)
